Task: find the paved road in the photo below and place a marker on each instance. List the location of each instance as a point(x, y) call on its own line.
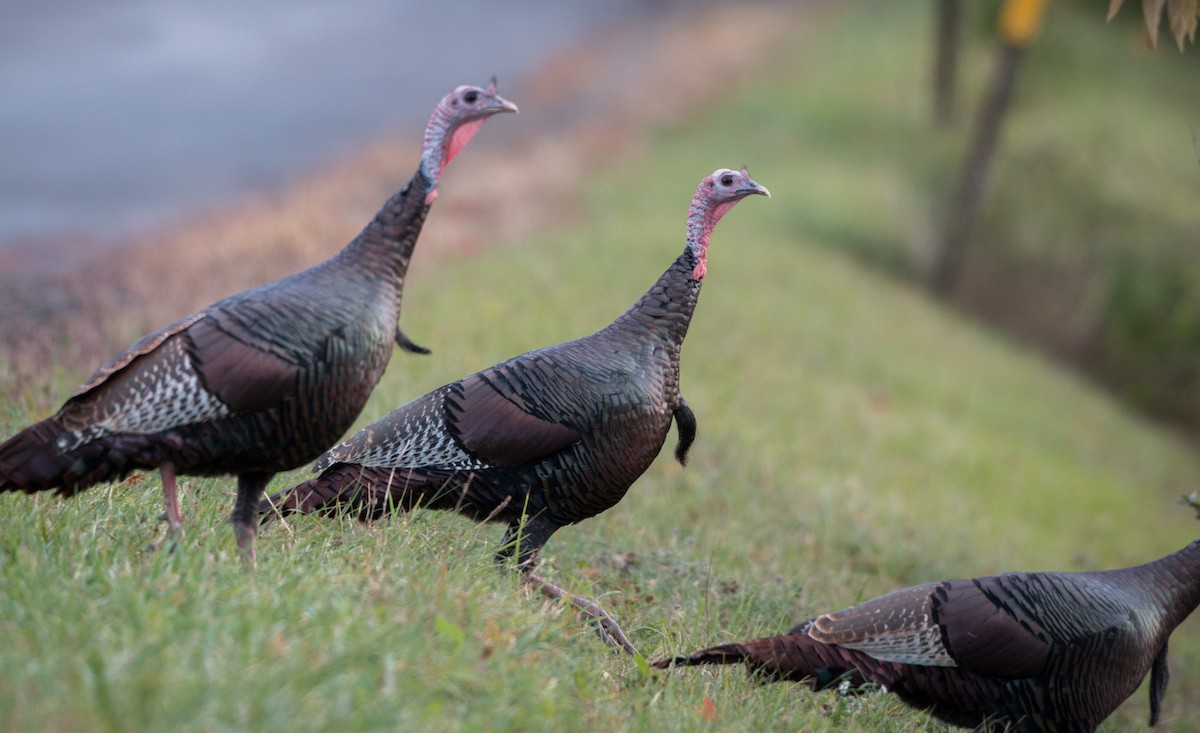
point(119, 116)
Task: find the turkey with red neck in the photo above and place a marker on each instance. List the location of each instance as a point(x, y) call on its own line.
point(261, 381)
point(545, 439)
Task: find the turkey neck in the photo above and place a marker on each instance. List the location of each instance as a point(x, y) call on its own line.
point(665, 311)
point(384, 247)
point(1173, 581)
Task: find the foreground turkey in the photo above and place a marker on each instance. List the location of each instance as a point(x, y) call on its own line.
point(1031, 651)
point(545, 439)
point(260, 382)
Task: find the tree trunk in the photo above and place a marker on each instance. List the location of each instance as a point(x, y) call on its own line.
point(945, 69)
point(960, 221)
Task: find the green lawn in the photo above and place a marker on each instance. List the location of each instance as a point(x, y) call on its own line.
point(854, 438)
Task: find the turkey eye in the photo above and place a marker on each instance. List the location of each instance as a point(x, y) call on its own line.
point(726, 180)
point(470, 97)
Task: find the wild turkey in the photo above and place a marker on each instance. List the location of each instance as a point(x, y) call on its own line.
point(545, 439)
point(1031, 651)
point(262, 381)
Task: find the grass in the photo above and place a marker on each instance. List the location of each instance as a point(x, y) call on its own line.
point(854, 438)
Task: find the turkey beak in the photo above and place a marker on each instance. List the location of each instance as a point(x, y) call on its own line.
point(753, 188)
point(498, 104)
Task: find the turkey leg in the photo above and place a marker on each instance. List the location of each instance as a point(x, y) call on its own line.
point(526, 540)
point(606, 626)
point(171, 500)
point(245, 514)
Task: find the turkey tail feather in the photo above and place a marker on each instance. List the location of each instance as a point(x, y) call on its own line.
point(306, 498)
point(724, 654)
point(340, 487)
point(30, 460)
point(793, 656)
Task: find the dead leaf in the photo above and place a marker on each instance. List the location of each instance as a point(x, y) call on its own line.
point(1152, 11)
point(1182, 19)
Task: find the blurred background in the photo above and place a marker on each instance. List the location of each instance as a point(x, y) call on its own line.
point(1038, 170)
point(124, 117)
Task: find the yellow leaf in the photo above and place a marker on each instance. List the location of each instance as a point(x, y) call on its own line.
point(1020, 20)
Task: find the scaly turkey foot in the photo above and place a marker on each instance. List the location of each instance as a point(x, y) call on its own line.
point(606, 626)
point(246, 532)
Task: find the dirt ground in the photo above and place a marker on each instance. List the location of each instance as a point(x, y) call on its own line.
point(592, 106)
